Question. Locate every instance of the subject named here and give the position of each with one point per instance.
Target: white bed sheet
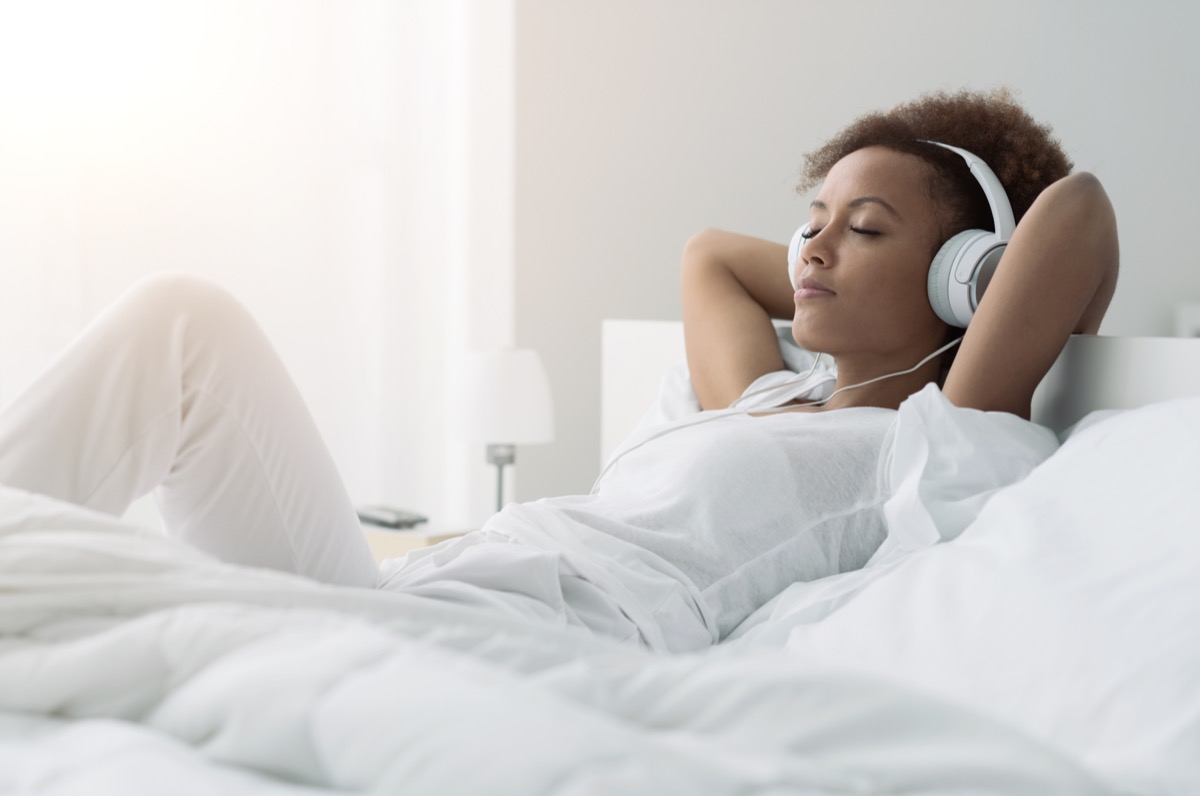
(1067, 607)
(1047, 645)
(127, 661)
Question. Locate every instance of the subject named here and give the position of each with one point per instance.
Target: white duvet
(1030, 629)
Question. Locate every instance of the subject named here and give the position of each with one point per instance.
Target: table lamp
(508, 403)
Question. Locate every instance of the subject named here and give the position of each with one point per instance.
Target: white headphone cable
(719, 413)
(946, 347)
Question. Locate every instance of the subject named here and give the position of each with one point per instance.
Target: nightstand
(388, 543)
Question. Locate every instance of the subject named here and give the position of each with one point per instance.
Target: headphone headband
(997, 199)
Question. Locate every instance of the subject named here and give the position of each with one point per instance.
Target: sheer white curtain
(317, 158)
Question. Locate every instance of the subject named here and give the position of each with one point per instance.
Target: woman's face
(863, 271)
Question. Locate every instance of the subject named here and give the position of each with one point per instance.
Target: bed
(1031, 631)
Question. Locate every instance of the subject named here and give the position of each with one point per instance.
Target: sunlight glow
(74, 71)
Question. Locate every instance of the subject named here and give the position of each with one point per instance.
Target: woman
(1058, 276)
(694, 525)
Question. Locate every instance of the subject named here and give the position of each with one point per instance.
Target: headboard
(1091, 373)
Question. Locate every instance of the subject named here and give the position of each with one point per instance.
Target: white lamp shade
(506, 397)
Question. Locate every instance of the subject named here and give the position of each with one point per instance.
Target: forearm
(732, 285)
(1056, 278)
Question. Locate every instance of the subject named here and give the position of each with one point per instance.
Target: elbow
(1100, 221)
(1085, 209)
(701, 251)
(1084, 201)
(703, 238)
(1084, 217)
(700, 244)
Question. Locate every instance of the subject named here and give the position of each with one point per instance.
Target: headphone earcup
(947, 295)
(794, 252)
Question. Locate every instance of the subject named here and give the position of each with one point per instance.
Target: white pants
(175, 389)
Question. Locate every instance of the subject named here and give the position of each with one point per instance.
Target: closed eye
(812, 233)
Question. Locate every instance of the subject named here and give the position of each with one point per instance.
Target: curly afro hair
(1024, 154)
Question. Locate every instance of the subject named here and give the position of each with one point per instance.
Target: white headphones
(963, 267)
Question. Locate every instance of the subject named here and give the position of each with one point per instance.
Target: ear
(794, 247)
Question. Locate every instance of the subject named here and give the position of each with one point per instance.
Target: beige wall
(642, 121)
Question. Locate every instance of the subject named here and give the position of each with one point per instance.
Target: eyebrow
(860, 201)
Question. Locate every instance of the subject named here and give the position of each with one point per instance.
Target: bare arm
(732, 285)
(1056, 278)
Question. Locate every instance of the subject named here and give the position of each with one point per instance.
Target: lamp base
(501, 454)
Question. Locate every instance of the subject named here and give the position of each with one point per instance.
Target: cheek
(900, 303)
(902, 288)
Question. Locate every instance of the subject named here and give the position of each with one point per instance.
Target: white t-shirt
(698, 523)
(745, 506)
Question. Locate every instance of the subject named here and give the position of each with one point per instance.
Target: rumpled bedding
(132, 663)
(1030, 629)
(1066, 606)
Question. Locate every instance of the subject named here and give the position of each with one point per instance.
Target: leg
(175, 389)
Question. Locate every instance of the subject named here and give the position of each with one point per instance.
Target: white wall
(641, 122)
(296, 152)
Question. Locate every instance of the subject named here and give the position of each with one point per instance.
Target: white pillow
(1070, 607)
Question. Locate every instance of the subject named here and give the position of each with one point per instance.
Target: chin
(808, 339)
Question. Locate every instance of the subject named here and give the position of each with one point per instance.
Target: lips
(811, 288)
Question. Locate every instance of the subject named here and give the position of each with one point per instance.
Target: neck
(888, 392)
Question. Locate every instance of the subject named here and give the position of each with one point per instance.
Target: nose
(815, 251)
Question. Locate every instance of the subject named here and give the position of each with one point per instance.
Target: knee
(178, 291)
(167, 298)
